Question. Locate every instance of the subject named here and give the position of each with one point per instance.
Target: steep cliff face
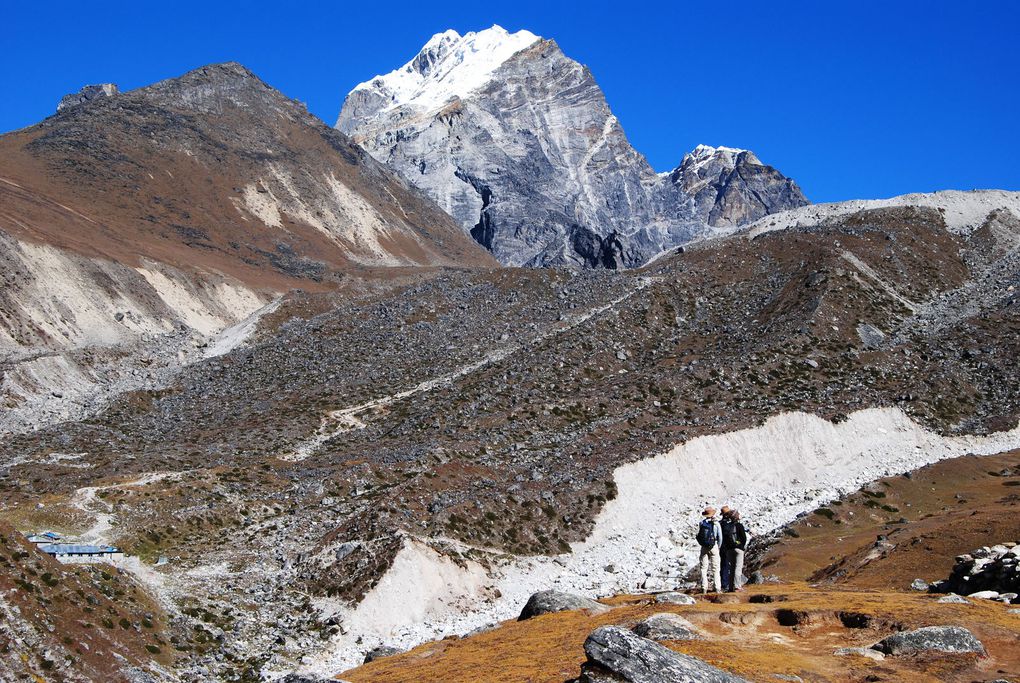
(516, 141)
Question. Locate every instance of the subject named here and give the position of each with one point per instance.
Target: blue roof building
(81, 552)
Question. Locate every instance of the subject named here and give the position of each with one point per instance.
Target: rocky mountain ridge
(516, 141)
(137, 225)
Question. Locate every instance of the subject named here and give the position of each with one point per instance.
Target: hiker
(709, 538)
(734, 543)
(726, 548)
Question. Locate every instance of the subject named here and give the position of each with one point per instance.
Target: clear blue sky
(852, 99)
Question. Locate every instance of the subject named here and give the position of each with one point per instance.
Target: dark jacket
(734, 535)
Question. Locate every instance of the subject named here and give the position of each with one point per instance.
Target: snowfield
(791, 464)
(449, 65)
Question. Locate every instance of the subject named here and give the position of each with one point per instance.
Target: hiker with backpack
(734, 543)
(709, 538)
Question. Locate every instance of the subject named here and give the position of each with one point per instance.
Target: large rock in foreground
(931, 639)
(616, 654)
(547, 602)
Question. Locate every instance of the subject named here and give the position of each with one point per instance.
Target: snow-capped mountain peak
(449, 65)
(705, 153)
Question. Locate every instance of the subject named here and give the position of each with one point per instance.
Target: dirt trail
(340, 421)
(85, 499)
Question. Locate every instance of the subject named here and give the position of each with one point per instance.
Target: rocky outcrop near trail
(183, 207)
(615, 654)
(988, 572)
(516, 141)
(949, 639)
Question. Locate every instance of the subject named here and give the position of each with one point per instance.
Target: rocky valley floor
(410, 459)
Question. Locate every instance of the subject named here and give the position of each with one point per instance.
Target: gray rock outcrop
(667, 626)
(930, 639)
(987, 570)
(616, 654)
(87, 94)
(547, 602)
(516, 141)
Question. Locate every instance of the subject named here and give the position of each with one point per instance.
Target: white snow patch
(789, 465)
(454, 66)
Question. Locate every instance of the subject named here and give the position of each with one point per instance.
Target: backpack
(706, 533)
(729, 533)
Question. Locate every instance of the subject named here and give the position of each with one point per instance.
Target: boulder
(616, 654)
(859, 652)
(953, 598)
(667, 626)
(919, 585)
(985, 595)
(871, 336)
(675, 598)
(380, 652)
(930, 639)
(547, 602)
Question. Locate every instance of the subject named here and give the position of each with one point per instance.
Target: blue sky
(852, 99)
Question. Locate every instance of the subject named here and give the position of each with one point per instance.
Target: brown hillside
(215, 170)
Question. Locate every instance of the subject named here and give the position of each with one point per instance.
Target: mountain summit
(449, 66)
(516, 141)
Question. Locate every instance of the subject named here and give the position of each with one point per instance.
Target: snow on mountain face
(516, 141)
(450, 65)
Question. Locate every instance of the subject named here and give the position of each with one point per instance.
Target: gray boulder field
(616, 654)
(931, 639)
